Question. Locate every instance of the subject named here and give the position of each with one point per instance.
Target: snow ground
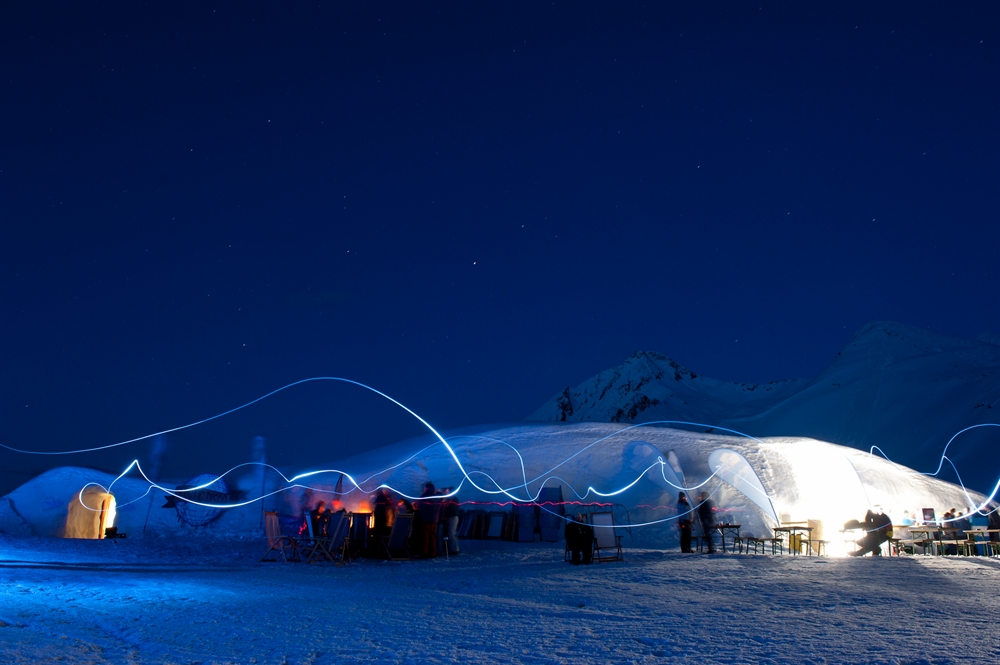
(175, 601)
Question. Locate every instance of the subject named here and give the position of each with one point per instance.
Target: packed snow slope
(156, 601)
(903, 389)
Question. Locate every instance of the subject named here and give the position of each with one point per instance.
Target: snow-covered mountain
(901, 388)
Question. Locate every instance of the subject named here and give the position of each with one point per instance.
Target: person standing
(684, 522)
(382, 513)
(579, 540)
(451, 522)
(707, 519)
(429, 509)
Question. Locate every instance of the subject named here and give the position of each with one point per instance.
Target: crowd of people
(956, 525)
(435, 520)
(434, 526)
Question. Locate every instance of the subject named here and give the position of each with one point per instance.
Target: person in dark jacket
(580, 540)
(878, 529)
(320, 520)
(707, 519)
(684, 515)
(382, 511)
(430, 513)
(994, 521)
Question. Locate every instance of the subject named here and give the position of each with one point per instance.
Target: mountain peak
(899, 387)
(650, 386)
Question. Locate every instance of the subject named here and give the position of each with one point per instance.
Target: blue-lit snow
(176, 601)
(184, 596)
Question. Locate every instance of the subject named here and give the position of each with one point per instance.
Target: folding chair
(607, 542)
(277, 543)
(312, 548)
(358, 534)
(330, 548)
(466, 525)
(396, 540)
(495, 523)
(336, 545)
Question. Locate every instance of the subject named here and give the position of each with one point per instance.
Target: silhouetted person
(320, 520)
(430, 511)
(580, 540)
(707, 519)
(451, 522)
(878, 529)
(994, 521)
(381, 511)
(684, 516)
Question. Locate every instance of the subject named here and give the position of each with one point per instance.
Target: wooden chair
(607, 542)
(285, 548)
(396, 541)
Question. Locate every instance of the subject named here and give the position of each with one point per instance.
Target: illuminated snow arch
(92, 514)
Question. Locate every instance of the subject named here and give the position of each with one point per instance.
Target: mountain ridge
(898, 387)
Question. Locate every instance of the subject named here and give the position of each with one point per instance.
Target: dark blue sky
(467, 205)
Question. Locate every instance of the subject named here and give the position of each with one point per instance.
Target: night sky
(466, 205)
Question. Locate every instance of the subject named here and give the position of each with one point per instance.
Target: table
(936, 535)
(730, 528)
(929, 536)
(795, 530)
(990, 547)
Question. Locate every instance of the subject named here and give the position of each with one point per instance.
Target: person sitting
(878, 529)
(993, 520)
(962, 523)
(580, 540)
